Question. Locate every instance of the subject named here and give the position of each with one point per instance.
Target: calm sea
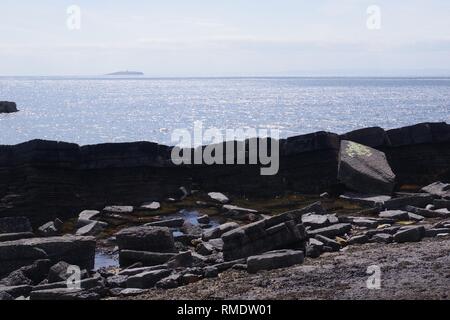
(95, 110)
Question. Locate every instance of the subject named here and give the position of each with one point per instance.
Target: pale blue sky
(225, 38)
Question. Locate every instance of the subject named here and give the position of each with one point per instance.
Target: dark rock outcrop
(48, 179)
(8, 107)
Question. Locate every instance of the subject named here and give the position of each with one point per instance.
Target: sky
(179, 38)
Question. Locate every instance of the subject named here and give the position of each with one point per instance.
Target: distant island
(126, 73)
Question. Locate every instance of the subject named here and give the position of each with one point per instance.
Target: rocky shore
(186, 226)
(49, 180)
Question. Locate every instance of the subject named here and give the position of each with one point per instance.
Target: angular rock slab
(78, 251)
(274, 260)
(146, 238)
(438, 189)
(365, 169)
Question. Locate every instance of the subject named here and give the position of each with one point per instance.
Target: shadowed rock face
(47, 179)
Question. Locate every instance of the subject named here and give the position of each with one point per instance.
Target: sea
(91, 110)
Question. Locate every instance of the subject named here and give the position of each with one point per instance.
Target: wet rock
(332, 231)
(147, 280)
(118, 209)
(218, 231)
(75, 250)
(416, 200)
(382, 238)
(361, 239)
(327, 242)
(8, 107)
(129, 257)
(15, 225)
(144, 238)
(438, 189)
(394, 214)
(151, 206)
(92, 229)
(314, 248)
(365, 169)
(410, 234)
(171, 223)
(48, 230)
(274, 260)
(86, 217)
(219, 197)
(366, 199)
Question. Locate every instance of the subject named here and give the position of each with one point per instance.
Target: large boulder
(8, 107)
(146, 238)
(364, 169)
(78, 251)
